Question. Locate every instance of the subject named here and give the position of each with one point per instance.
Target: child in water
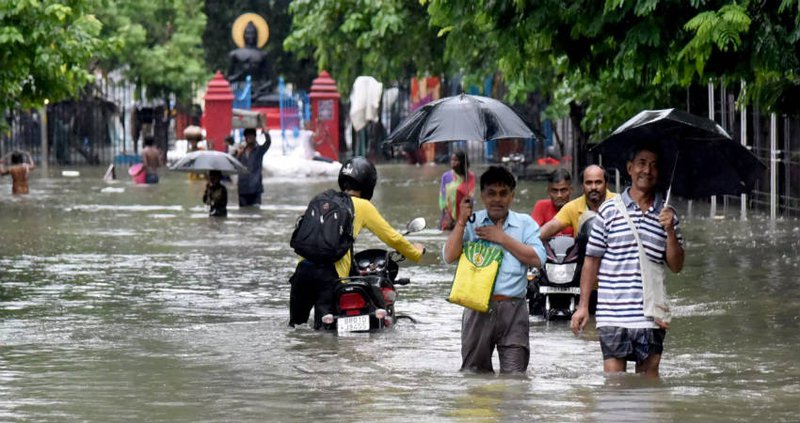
(19, 170)
(216, 195)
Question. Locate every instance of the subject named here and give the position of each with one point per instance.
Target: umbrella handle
(671, 178)
(466, 175)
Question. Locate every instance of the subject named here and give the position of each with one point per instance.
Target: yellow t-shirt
(570, 214)
(367, 216)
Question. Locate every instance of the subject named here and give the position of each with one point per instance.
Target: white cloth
(365, 101)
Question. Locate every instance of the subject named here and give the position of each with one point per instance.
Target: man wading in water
(626, 333)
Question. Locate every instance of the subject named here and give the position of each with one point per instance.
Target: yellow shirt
(570, 214)
(367, 216)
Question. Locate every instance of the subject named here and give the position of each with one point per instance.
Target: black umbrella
(204, 160)
(699, 159)
(461, 118)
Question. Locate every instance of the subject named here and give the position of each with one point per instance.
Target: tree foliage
(597, 62)
(46, 47)
(387, 39)
(600, 62)
(160, 44)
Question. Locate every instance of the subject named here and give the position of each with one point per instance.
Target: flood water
(128, 304)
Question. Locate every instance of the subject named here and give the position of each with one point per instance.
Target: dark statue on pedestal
(250, 60)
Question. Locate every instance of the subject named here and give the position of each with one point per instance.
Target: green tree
(387, 39)
(161, 45)
(597, 63)
(600, 62)
(160, 50)
(46, 48)
(757, 42)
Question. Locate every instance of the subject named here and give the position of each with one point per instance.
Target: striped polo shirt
(619, 295)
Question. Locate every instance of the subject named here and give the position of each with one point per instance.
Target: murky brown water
(134, 306)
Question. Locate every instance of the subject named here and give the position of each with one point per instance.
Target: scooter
(555, 292)
(516, 162)
(365, 300)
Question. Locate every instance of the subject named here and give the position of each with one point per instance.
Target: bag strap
(352, 207)
(624, 211)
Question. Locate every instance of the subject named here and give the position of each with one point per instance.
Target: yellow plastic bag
(475, 275)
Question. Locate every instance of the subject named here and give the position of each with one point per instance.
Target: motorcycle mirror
(415, 225)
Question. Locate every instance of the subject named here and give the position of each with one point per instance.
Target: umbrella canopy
(461, 118)
(698, 158)
(205, 160)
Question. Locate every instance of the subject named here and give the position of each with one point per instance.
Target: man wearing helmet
(313, 283)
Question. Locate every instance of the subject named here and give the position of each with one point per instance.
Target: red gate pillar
(325, 115)
(218, 115)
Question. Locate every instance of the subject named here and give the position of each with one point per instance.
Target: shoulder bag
(475, 276)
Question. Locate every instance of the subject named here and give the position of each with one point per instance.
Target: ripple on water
(118, 208)
(158, 313)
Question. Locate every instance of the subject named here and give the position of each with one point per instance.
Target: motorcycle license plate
(352, 324)
(559, 290)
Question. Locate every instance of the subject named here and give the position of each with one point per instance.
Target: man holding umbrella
(616, 254)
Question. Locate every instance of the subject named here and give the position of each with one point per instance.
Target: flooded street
(135, 306)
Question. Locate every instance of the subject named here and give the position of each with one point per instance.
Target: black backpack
(324, 233)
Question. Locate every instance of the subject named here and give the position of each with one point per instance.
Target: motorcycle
(516, 163)
(555, 292)
(365, 300)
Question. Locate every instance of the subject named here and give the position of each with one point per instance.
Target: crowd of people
(633, 236)
(621, 262)
(614, 276)
(249, 152)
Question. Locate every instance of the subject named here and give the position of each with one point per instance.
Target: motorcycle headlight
(560, 273)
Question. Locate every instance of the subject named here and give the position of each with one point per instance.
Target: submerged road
(129, 304)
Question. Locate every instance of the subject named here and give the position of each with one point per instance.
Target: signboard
(325, 110)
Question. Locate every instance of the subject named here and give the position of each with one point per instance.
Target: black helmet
(360, 175)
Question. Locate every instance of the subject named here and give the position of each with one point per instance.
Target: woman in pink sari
(454, 188)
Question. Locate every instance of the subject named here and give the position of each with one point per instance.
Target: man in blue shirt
(505, 326)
